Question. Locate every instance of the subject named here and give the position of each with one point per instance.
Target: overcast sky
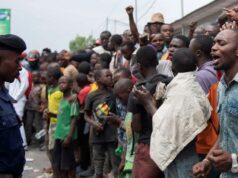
(53, 23)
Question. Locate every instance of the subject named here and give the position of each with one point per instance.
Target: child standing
(83, 127)
(126, 138)
(66, 133)
(98, 104)
(33, 107)
(54, 97)
(84, 86)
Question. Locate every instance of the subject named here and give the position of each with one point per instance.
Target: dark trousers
(9, 176)
(33, 120)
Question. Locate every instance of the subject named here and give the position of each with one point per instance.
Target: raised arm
(132, 23)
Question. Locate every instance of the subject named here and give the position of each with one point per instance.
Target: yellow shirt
(93, 87)
(54, 97)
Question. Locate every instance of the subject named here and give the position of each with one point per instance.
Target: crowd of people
(149, 105)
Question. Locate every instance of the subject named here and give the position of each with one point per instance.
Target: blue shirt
(161, 53)
(228, 118)
(12, 154)
(121, 111)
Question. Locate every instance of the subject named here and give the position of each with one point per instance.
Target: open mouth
(215, 58)
(170, 56)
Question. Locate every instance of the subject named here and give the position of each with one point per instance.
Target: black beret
(12, 43)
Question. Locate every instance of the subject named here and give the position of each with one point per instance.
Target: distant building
(205, 14)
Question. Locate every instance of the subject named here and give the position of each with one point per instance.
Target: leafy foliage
(80, 43)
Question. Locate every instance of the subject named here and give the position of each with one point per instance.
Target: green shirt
(67, 112)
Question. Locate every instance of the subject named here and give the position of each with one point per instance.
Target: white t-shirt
(100, 50)
(17, 90)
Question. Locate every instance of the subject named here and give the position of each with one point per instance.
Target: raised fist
(129, 10)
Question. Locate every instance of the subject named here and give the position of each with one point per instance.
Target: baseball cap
(33, 55)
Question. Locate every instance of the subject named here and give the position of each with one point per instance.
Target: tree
(80, 43)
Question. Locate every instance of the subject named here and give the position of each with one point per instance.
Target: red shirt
(83, 94)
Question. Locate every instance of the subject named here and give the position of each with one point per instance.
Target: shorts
(99, 157)
(144, 166)
(63, 157)
(51, 132)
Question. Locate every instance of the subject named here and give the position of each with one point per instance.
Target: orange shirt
(165, 56)
(93, 87)
(207, 138)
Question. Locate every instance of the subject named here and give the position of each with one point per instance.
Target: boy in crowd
(33, 107)
(104, 39)
(167, 31)
(54, 97)
(66, 132)
(114, 44)
(98, 105)
(94, 58)
(122, 89)
(158, 41)
(128, 51)
(85, 76)
(84, 86)
(142, 120)
(104, 61)
(123, 73)
(83, 127)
